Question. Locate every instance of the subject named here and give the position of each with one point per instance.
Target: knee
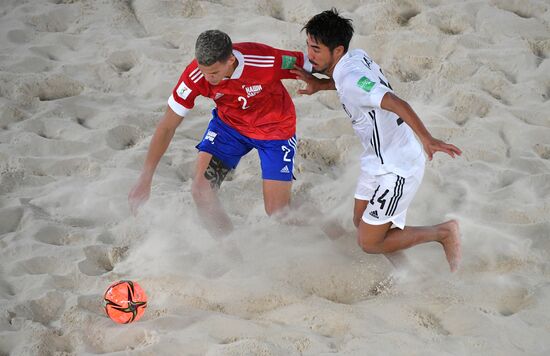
(367, 245)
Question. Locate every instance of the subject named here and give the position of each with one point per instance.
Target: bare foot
(451, 243)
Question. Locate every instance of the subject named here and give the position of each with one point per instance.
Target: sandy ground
(82, 86)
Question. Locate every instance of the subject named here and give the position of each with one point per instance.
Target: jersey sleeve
(367, 92)
(184, 93)
(286, 60)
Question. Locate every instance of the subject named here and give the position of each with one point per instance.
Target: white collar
(338, 67)
(240, 66)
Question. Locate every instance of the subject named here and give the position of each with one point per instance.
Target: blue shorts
(228, 145)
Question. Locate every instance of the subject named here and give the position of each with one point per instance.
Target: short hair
(213, 46)
(330, 29)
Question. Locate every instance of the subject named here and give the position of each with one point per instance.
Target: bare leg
(382, 239)
(397, 258)
(276, 196)
(212, 215)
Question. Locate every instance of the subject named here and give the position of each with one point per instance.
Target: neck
(233, 67)
(330, 70)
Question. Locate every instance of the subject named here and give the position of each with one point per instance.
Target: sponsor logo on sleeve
(366, 84)
(288, 62)
(183, 91)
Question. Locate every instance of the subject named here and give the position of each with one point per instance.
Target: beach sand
(82, 86)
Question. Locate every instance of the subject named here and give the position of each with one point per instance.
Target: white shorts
(389, 196)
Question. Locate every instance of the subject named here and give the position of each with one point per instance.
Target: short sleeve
(286, 60)
(367, 92)
(184, 93)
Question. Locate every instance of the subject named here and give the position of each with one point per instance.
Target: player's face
(320, 56)
(216, 72)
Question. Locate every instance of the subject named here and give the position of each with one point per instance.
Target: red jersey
(253, 101)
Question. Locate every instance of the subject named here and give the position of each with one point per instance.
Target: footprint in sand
(101, 259)
(44, 310)
(57, 20)
(513, 301)
(468, 104)
(246, 347)
(20, 36)
(542, 150)
(10, 219)
(541, 50)
(319, 151)
(524, 10)
(406, 15)
(92, 303)
(40, 265)
(123, 61)
(430, 322)
(46, 341)
(51, 235)
(6, 289)
(56, 235)
(123, 137)
(47, 87)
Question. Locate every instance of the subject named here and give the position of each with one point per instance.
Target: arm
(296, 65)
(313, 84)
(391, 102)
(162, 137)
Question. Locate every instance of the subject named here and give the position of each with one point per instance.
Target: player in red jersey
(253, 110)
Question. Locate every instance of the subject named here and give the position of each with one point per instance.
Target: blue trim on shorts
(229, 145)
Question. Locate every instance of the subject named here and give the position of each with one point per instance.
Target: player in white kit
(392, 165)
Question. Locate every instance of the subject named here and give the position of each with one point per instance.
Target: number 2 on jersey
(243, 99)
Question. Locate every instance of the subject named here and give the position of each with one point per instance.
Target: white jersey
(390, 144)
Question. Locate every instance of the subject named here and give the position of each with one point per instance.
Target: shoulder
(355, 71)
(258, 59)
(251, 48)
(191, 72)
(348, 77)
(192, 76)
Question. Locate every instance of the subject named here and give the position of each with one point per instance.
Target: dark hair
(213, 46)
(330, 29)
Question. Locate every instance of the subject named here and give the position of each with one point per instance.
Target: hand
(313, 84)
(139, 194)
(433, 145)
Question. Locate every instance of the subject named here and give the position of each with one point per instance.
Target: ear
(339, 51)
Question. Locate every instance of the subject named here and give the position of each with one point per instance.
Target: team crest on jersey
(253, 90)
(183, 91)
